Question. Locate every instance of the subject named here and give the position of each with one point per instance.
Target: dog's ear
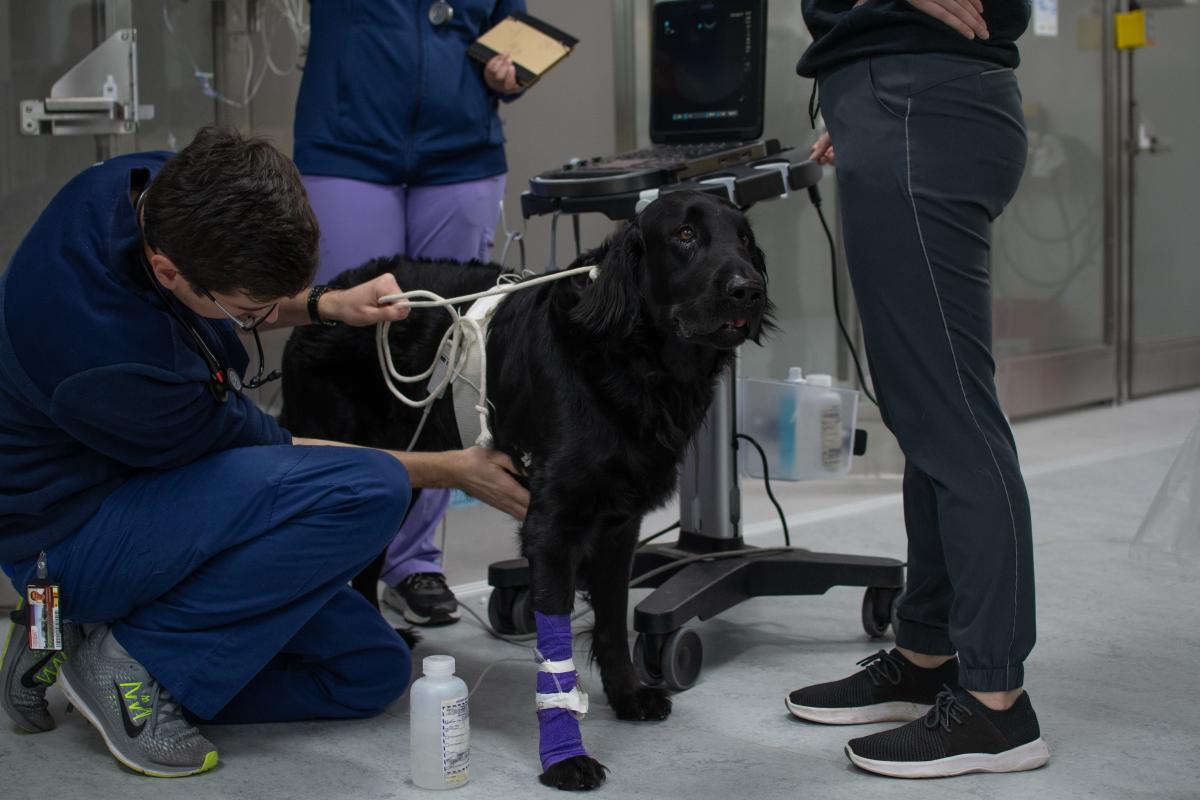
(610, 305)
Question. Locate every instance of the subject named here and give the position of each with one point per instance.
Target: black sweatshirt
(842, 32)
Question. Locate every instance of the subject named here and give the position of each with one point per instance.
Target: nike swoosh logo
(28, 679)
(131, 730)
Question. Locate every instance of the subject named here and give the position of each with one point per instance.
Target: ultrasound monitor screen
(708, 65)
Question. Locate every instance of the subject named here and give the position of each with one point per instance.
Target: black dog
(598, 385)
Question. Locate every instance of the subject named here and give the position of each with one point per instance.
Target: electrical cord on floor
(814, 195)
(787, 539)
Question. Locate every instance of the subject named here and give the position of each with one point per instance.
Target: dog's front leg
(607, 572)
(565, 763)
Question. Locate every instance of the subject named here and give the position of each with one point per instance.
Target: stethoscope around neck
(220, 379)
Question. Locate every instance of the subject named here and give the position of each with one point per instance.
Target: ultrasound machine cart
(665, 653)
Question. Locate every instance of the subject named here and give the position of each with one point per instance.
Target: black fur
(602, 384)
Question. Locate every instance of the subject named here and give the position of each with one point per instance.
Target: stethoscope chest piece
(441, 12)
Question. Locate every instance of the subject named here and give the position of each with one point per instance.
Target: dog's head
(689, 266)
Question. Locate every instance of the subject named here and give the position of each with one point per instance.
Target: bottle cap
(438, 665)
(795, 375)
(821, 380)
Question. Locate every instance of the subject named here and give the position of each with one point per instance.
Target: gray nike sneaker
(142, 724)
(26, 674)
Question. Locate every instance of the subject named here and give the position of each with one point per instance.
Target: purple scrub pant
(360, 221)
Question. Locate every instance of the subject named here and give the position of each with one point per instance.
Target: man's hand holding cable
(359, 305)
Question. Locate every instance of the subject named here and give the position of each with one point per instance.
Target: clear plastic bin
(805, 429)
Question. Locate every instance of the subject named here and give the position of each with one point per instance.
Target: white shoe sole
(158, 771)
(860, 715)
(1019, 759)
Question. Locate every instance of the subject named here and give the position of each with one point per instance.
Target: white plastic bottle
(440, 728)
(790, 421)
(825, 412)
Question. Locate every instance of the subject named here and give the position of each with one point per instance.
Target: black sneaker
(957, 736)
(424, 599)
(890, 688)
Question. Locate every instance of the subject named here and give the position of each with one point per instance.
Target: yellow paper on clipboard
(535, 46)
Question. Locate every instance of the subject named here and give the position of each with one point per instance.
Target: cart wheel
(681, 659)
(522, 612)
(510, 611)
(879, 610)
(646, 659)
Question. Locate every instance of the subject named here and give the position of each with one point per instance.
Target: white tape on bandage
(575, 701)
(557, 667)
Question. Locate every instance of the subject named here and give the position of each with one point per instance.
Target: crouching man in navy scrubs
(210, 549)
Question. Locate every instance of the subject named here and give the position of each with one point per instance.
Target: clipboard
(535, 46)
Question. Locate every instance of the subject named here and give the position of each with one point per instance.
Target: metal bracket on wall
(98, 96)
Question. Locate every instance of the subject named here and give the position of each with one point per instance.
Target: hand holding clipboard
(533, 46)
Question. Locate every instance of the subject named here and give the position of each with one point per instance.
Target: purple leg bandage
(559, 729)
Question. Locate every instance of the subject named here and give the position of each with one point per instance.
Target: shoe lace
(883, 665)
(169, 720)
(947, 708)
(427, 580)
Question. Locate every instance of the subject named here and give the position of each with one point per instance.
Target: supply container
(805, 426)
(439, 726)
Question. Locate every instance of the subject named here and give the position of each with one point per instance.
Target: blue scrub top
(97, 380)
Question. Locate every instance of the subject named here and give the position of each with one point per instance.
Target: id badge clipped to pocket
(44, 611)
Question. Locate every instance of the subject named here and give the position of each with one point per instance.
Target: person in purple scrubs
(401, 150)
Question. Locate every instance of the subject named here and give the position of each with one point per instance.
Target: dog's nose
(745, 290)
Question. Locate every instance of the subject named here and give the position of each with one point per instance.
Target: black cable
(787, 539)
(815, 196)
(654, 536)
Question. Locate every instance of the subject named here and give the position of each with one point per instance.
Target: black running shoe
(890, 688)
(423, 598)
(957, 736)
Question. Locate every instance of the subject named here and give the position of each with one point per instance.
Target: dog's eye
(745, 237)
(685, 234)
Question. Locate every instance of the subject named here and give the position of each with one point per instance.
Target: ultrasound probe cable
(452, 346)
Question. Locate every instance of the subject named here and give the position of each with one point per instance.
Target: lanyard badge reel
(44, 611)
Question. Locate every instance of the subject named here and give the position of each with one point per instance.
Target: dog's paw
(642, 704)
(578, 773)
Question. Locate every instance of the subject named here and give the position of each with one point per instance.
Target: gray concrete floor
(1114, 676)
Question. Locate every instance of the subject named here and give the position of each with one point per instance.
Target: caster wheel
(522, 612)
(646, 659)
(682, 657)
(672, 661)
(510, 611)
(879, 610)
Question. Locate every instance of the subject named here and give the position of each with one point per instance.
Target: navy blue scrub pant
(929, 149)
(226, 579)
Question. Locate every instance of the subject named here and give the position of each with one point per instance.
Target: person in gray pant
(922, 103)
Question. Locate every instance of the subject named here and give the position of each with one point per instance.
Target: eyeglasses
(250, 323)
(245, 321)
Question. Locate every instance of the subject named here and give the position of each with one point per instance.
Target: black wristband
(314, 296)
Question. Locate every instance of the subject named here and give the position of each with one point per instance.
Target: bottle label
(456, 740)
(831, 438)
